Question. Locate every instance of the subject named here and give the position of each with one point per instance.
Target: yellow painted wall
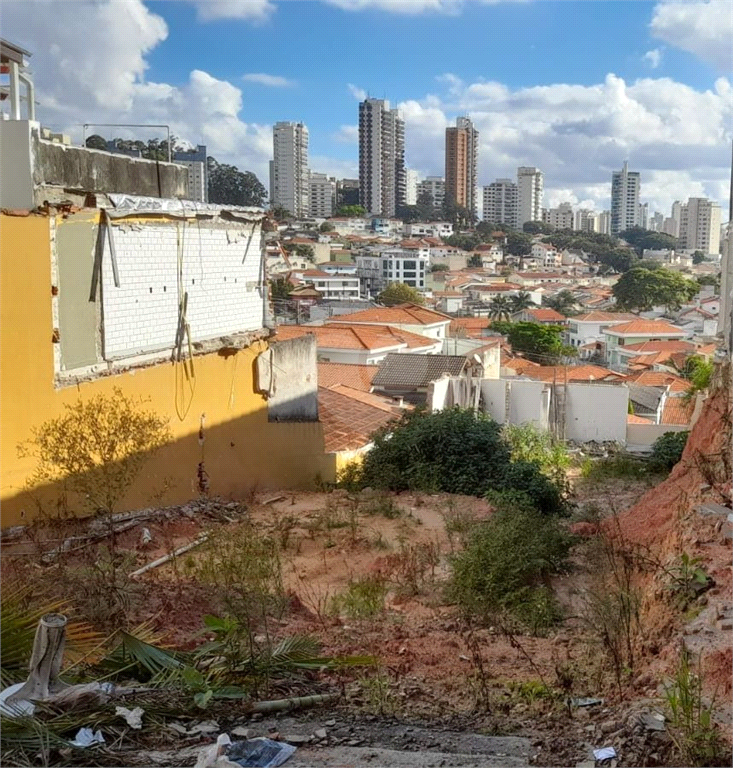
(242, 450)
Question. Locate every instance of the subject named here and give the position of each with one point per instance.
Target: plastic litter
(133, 717)
(86, 737)
(209, 755)
(605, 753)
(18, 707)
(260, 753)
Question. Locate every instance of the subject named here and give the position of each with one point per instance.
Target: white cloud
(95, 73)
(272, 81)
(358, 93)
(577, 135)
(256, 11)
(653, 57)
(703, 28)
(347, 134)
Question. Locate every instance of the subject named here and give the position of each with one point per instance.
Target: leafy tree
(153, 149)
(537, 228)
(230, 186)
(458, 215)
(563, 302)
(280, 288)
(409, 213)
(541, 343)
(326, 226)
(466, 242)
(351, 211)
(518, 243)
(699, 372)
(399, 293)
(486, 229)
(439, 268)
(713, 280)
(640, 239)
(501, 326)
(95, 141)
(642, 289)
(426, 207)
(280, 213)
(698, 257)
(453, 451)
(520, 301)
(475, 261)
(300, 249)
(500, 308)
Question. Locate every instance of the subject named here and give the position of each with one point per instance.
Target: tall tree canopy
(399, 293)
(518, 243)
(639, 239)
(351, 210)
(230, 186)
(542, 343)
(642, 289)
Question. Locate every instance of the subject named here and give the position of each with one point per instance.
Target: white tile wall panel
(220, 272)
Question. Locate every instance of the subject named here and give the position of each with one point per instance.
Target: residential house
(540, 315)
(638, 331)
(407, 264)
(407, 317)
(450, 302)
(562, 374)
(546, 254)
(360, 345)
(334, 287)
(428, 229)
(531, 278)
(585, 332)
(408, 376)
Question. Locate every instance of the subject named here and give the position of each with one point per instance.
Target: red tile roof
(598, 316)
(403, 314)
(632, 418)
(543, 315)
(640, 327)
(673, 345)
(354, 376)
(677, 411)
(347, 420)
(359, 337)
(581, 373)
(660, 379)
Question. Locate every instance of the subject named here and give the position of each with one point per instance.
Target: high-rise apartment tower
(625, 186)
(289, 175)
(382, 184)
(530, 189)
(461, 160)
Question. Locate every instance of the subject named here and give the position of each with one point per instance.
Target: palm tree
(520, 301)
(500, 308)
(563, 302)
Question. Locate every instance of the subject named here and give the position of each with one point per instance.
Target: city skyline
(656, 90)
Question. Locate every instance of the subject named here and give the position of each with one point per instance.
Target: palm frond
(145, 659)
(19, 618)
(303, 652)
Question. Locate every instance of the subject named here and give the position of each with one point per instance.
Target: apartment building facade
(500, 202)
(289, 175)
(382, 181)
(530, 190)
(700, 225)
(625, 187)
(461, 162)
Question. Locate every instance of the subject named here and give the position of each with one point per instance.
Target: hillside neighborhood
(391, 471)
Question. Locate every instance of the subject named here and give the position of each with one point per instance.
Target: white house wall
(596, 412)
(220, 272)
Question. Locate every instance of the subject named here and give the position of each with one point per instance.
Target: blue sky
(574, 87)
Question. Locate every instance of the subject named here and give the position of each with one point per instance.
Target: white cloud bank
(703, 28)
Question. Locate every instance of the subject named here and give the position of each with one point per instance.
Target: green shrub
(506, 564)
(454, 451)
(363, 599)
(618, 465)
(667, 451)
